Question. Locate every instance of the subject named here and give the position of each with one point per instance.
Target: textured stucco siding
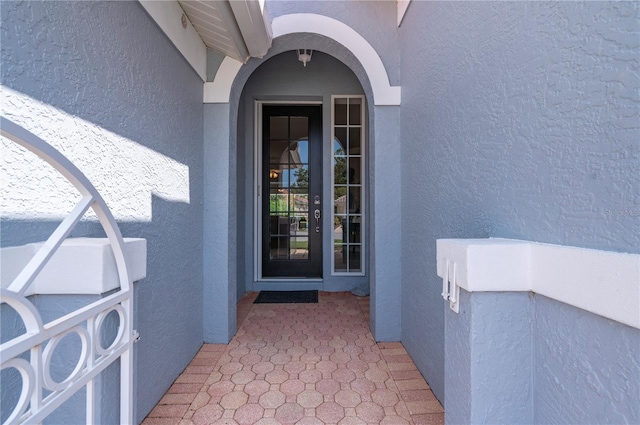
(519, 120)
(130, 105)
(522, 358)
(374, 20)
(457, 368)
(219, 282)
(586, 367)
(501, 359)
(488, 362)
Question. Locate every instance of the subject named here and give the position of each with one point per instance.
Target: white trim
(253, 25)
(363, 176)
(168, 15)
(601, 282)
(219, 91)
(257, 192)
(383, 92)
(403, 5)
(77, 266)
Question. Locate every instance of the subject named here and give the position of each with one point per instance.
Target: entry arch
(222, 98)
(383, 93)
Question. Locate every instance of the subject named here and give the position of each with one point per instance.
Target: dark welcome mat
(276, 297)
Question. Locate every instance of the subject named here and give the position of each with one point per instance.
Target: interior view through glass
(289, 188)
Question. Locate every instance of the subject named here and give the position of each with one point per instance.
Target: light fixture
(304, 56)
(273, 174)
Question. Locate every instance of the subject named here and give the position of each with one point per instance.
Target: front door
(292, 182)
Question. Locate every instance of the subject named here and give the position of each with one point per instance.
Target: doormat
(287, 297)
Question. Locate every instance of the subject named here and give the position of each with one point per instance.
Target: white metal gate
(40, 339)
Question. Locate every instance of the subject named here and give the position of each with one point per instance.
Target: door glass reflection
(289, 188)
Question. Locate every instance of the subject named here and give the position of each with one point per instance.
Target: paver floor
(300, 364)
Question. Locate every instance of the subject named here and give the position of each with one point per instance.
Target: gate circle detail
(48, 381)
(28, 379)
(98, 326)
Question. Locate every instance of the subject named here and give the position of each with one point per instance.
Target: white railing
(39, 341)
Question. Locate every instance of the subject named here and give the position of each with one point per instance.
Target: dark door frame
(310, 267)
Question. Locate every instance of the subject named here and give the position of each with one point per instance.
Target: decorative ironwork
(40, 340)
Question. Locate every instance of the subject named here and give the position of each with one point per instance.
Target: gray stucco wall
(488, 363)
(374, 20)
(586, 367)
(518, 120)
(109, 64)
(457, 368)
(521, 358)
(219, 248)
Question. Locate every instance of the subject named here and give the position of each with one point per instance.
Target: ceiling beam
(168, 16)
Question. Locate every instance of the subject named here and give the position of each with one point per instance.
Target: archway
(226, 229)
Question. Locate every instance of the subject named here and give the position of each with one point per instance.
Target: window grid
(347, 188)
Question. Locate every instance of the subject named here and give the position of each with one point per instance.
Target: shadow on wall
(166, 310)
(106, 63)
(104, 71)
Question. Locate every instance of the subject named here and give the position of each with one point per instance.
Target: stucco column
(488, 359)
(219, 284)
(386, 243)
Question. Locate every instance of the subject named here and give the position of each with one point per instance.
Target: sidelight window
(348, 184)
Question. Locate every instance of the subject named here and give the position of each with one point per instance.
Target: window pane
(354, 140)
(277, 176)
(278, 201)
(354, 229)
(340, 141)
(303, 222)
(299, 152)
(355, 116)
(278, 248)
(340, 112)
(340, 257)
(340, 170)
(340, 200)
(278, 139)
(299, 202)
(299, 248)
(354, 170)
(340, 229)
(299, 176)
(278, 128)
(299, 128)
(279, 224)
(355, 263)
(353, 200)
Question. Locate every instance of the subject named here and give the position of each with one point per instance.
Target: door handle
(316, 214)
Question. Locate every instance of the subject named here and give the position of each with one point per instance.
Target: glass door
(292, 182)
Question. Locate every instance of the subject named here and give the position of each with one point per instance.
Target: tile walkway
(300, 364)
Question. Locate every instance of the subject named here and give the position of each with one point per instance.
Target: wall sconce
(304, 56)
(273, 174)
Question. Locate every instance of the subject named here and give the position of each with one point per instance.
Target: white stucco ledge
(601, 282)
(79, 266)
